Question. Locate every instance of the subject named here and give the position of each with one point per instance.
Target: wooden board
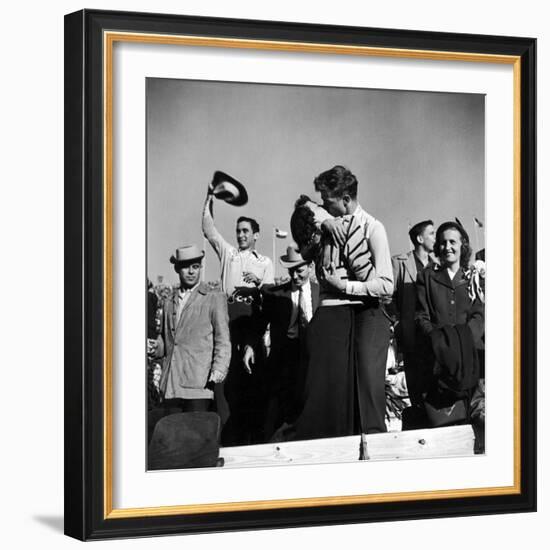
(431, 443)
(435, 442)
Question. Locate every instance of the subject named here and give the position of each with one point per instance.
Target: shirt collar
(252, 251)
(358, 210)
(183, 291)
(419, 261)
(306, 285)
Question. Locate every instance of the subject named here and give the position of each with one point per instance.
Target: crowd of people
(306, 358)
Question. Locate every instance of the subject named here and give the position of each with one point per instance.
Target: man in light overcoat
(194, 342)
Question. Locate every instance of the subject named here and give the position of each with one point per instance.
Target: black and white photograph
(279, 312)
(257, 235)
(315, 281)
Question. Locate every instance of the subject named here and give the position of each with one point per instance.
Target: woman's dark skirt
(330, 403)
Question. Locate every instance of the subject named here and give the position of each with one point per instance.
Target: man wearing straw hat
(288, 308)
(194, 342)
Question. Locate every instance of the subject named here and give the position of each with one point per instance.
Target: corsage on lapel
(474, 275)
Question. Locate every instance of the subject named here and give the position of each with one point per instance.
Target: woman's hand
(333, 279)
(335, 228)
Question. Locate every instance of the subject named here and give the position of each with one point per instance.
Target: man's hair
(337, 182)
(465, 248)
(253, 223)
(417, 229)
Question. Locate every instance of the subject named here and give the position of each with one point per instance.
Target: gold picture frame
(90, 39)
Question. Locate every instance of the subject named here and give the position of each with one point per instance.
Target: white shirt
(183, 297)
(293, 325)
(235, 262)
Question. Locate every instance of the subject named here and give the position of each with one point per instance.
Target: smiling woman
(451, 315)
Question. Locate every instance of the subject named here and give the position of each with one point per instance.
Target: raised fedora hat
(186, 254)
(228, 189)
(292, 258)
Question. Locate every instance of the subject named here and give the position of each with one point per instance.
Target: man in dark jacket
(406, 268)
(288, 309)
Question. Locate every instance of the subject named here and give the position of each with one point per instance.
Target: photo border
(89, 40)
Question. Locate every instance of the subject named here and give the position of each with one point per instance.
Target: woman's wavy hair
(302, 222)
(465, 248)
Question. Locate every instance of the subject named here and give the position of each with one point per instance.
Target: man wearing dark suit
(406, 268)
(288, 309)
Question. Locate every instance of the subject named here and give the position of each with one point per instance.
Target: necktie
(303, 317)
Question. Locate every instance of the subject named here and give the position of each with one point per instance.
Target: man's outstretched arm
(219, 244)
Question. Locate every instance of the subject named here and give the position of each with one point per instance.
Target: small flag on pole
(477, 222)
(281, 234)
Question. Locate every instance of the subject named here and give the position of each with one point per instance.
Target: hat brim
(174, 260)
(290, 264)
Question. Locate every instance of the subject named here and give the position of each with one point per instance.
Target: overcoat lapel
(314, 297)
(459, 279)
(287, 311)
(199, 290)
(410, 266)
(441, 276)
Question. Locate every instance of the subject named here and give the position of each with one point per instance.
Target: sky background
(416, 155)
